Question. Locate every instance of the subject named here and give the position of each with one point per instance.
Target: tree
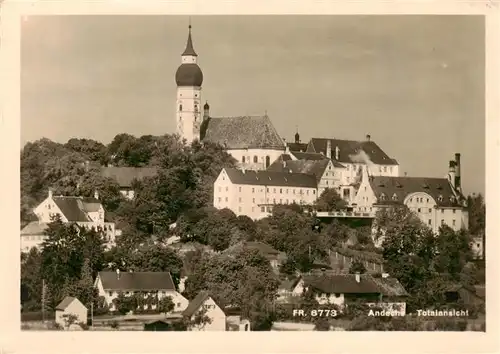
(330, 200)
(477, 214)
(31, 280)
(199, 320)
(166, 305)
(125, 304)
(357, 267)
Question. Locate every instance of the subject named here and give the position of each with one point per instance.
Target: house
(254, 193)
(436, 201)
(469, 295)
(204, 304)
(33, 235)
(285, 293)
(276, 258)
(83, 211)
(151, 284)
(343, 257)
(125, 177)
(328, 172)
(71, 306)
(341, 289)
(354, 154)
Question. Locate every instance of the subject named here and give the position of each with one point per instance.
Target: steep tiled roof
(400, 187)
(342, 284)
(137, 281)
(125, 175)
(350, 148)
(65, 303)
(300, 147)
(195, 304)
(312, 167)
(34, 228)
(242, 132)
(73, 208)
(308, 155)
(271, 178)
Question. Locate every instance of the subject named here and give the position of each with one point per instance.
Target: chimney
(50, 193)
(117, 273)
(329, 149)
(452, 173)
(337, 151)
(368, 137)
(358, 278)
(458, 184)
(206, 111)
(96, 194)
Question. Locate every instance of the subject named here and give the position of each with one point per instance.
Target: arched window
(268, 161)
(180, 108)
(255, 159)
(243, 159)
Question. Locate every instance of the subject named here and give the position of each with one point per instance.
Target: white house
(254, 193)
(437, 201)
(340, 289)
(33, 235)
(203, 304)
(125, 177)
(71, 306)
(155, 284)
(83, 211)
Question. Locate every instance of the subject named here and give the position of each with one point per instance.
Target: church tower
(189, 79)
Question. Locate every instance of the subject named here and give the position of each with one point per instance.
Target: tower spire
(189, 45)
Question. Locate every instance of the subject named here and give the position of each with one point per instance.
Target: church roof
(271, 178)
(396, 189)
(300, 147)
(349, 149)
(245, 132)
(189, 46)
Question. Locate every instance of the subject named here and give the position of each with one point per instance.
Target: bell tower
(189, 79)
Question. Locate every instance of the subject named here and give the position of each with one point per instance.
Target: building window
(253, 190)
(110, 293)
(180, 108)
(454, 211)
(385, 168)
(255, 159)
(268, 161)
(267, 190)
(274, 201)
(220, 199)
(239, 189)
(227, 189)
(427, 200)
(281, 190)
(307, 192)
(418, 210)
(274, 190)
(442, 211)
(453, 222)
(253, 200)
(314, 191)
(430, 222)
(327, 183)
(348, 167)
(239, 199)
(440, 198)
(394, 196)
(243, 159)
(430, 210)
(262, 209)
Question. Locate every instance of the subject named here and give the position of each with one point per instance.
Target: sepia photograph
(252, 173)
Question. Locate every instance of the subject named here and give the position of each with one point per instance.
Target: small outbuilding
(71, 311)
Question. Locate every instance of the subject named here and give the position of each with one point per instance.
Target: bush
(114, 324)
(36, 316)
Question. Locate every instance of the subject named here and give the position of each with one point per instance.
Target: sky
(414, 83)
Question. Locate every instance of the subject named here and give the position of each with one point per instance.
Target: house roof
(348, 149)
(400, 187)
(312, 167)
(196, 303)
(124, 176)
(361, 255)
(300, 147)
(271, 178)
(34, 228)
(260, 246)
(390, 286)
(342, 284)
(65, 303)
(76, 208)
(247, 132)
(309, 156)
(141, 281)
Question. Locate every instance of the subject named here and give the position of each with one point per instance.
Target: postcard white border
(13, 340)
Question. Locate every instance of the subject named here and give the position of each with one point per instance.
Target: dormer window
(382, 196)
(452, 199)
(394, 196)
(440, 198)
